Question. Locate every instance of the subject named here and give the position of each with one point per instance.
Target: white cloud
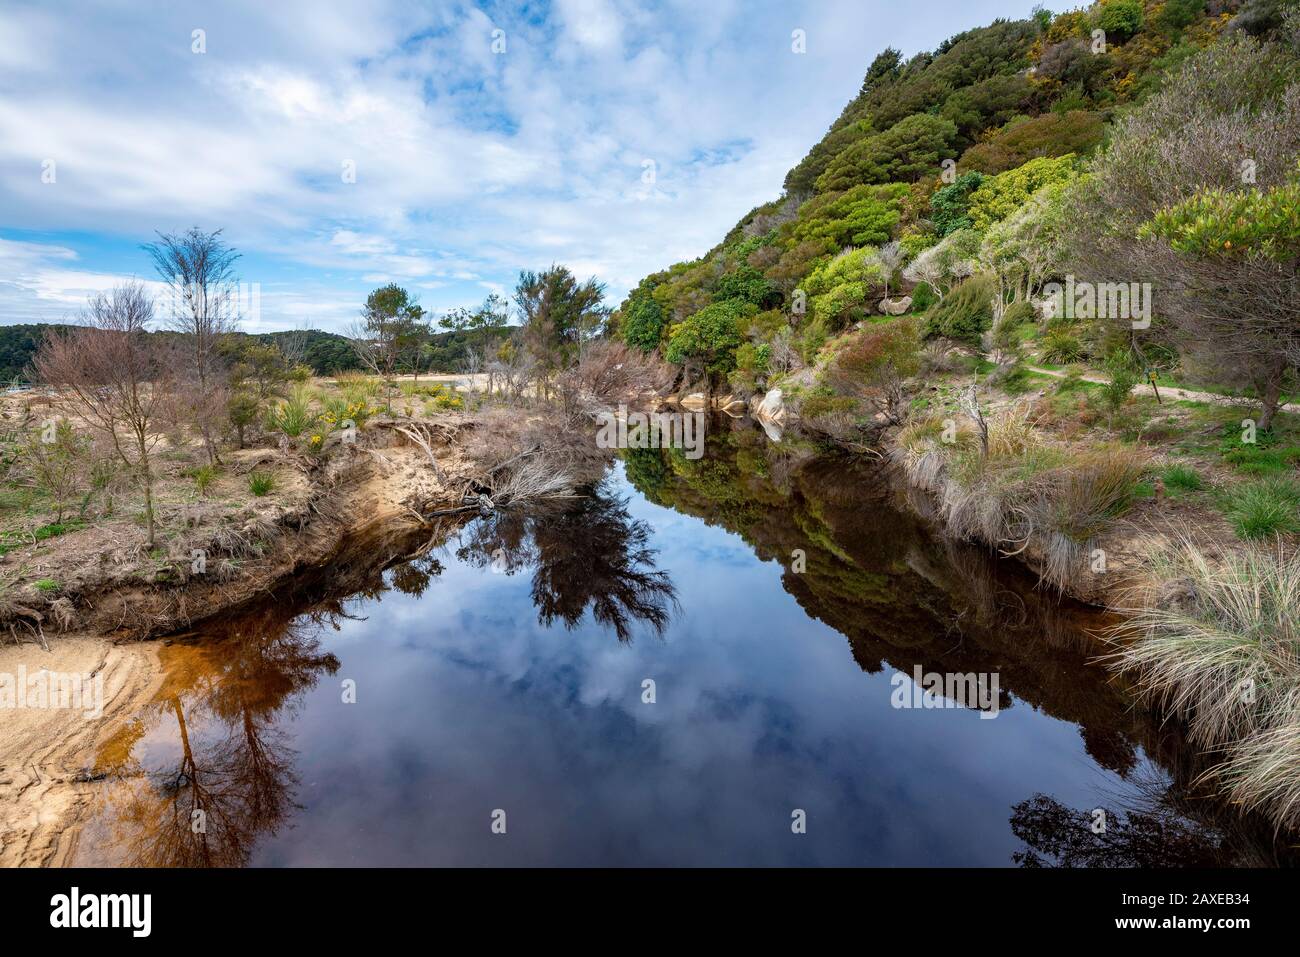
(469, 165)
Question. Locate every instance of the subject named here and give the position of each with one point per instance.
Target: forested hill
(325, 352)
(933, 153)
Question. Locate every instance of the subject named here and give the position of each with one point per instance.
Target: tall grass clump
(261, 483)
(1266, 507)
(294, 415)
(1218, 643)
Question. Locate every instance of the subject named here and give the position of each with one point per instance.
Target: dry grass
(1025, 490)
(1218, 643)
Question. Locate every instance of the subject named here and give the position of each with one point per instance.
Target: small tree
(390, 327)
(55, 458)
(199, 270)
(559, 315)
(707, 341)
(876, 364)
(113, 377)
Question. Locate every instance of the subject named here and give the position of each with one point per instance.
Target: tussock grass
(261, 483)
(1183, 477)
(1024, 490)
(1269, 506)
(1218, 643)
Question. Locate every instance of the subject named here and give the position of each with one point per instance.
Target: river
(700, 662)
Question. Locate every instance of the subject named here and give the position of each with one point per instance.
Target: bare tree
(198, 268)
(472, 364)
(112, 377)
(609, 372)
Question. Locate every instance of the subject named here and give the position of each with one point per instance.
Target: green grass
(1265, 507)
(1184, 478)
(203, 477)
(261, 483)
(1260, 459)
(9, 540)
(47, 586)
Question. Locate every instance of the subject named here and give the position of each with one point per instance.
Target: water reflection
(468, 703)
(586, 555)
(229, 779)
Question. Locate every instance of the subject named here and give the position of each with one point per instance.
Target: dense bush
(966, 312)
(1052, 134)
(910, 149)
(951, 204)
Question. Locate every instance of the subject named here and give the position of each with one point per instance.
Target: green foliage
(966, 312)
(1061, 346)
(1184, 478)
(951, 204)
(203, 476)
(1019, 313)
(862, 216)
(923, 297)
(642, 322)
(294, 416)
(1000, 196)
(709, 337)
(47, 586)
(261, 483)
(446, 351)
(1177, 14)
(845, 284)
(745, 284)
(1236, 223)
(989, 103)
(1123, 377)
(559, 312)
(1265, 507)
(1120, 18)
(1052, 134)
(752, 366)
(912, 148)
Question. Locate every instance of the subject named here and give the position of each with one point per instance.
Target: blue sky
(470, 162)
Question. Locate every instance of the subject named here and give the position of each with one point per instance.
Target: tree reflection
(590, 553)
(232, 780)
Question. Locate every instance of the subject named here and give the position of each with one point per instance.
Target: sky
(442, 146)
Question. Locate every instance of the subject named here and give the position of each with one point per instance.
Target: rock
(694, 401)
(894, 307)
(771, 408)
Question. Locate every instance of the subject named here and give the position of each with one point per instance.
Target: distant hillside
(326, 352)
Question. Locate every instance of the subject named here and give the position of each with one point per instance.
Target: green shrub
(261, 483)
(1120, 18)
(294, 415)
(1018, 313)
(1123, 377)
(1269, 506)
(966, 312)
(922, 297)
(1061, 347)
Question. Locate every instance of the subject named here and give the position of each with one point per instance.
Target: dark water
(504, 670)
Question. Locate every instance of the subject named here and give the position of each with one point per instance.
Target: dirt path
(1169, 392)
